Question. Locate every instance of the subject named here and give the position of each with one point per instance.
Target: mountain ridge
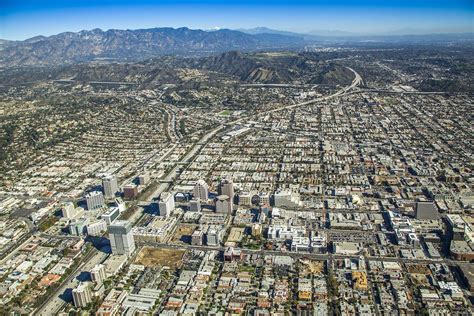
(141, 44)
(134, 45)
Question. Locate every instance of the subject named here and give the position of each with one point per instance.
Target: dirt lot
(152, 257)
(417, 268)
(183, 233)
(312, 267)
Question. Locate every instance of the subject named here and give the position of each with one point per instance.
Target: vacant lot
(312, 267)
(152, 257)
(183, 233)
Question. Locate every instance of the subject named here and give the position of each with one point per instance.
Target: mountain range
(141, 44)
(96, 44)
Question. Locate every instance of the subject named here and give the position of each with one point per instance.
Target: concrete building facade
(121, 238)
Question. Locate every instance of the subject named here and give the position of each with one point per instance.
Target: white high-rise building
(223, 204)
(82, 294)
(144, 178)
(98, 274)
(68, 210)
(201, 190)
(166, 204)
(121, 238)
(110, 185)
(94, 200)
(96, 228)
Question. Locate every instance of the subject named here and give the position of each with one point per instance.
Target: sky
(20, 20)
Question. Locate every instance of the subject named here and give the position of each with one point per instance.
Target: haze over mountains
(135, 45)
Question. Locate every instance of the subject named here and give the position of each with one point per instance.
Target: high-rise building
(130, 191)
(98, 274)
(144, 178)
(223, 204)
(96, 227)
(226, 187)
(68, 210)
(110, 185)
(426, 210)
(166, 204)
(201, 190)
(82, 294)
(121, 238)
(94, 200)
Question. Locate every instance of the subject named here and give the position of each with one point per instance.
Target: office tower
(121, 238)
(68, 210)
(98, 274)
(82, 295)
(110, 186)
(223, 204)
(130, 191)
(227, 188)
(201, 190)
(144, 178)
(166, 204)
(94, 200)
(426, 210)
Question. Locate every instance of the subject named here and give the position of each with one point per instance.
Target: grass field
(152, 257)
(225, 113)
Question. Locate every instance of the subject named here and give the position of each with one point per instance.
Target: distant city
(177, 171)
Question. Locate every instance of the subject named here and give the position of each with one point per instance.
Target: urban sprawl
(216, 196)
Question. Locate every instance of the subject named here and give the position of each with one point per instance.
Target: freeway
(356, 82)
(402, 92)
(186, 160)
(282, 85)
(55, 302)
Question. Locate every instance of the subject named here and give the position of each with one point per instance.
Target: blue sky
(24, 19)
